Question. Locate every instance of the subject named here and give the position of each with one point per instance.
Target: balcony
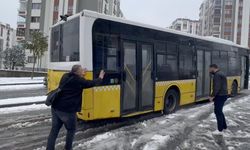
(20, 38)
(22, 13)
(21, 25)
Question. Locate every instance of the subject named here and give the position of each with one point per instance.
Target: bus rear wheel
(234, 91)
(171, 101)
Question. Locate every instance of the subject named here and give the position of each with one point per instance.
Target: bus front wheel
(171, 101)
(234, 91)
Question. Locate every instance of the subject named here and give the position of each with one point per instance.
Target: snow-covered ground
(19, 109)
(186, 129)
(22, 100)
(10, 80)
(21, 87)
(27, 127)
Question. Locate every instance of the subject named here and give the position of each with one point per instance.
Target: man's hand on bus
(101, 75)
(211, 99)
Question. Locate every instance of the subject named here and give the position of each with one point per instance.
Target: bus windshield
(65, 42)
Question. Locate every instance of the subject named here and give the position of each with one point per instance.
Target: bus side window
(167, 62)
(106, 56)
(232, 63)
(186, 62)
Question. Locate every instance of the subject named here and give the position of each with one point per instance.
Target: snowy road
(27, 128)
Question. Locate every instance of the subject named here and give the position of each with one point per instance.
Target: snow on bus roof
(93, 14)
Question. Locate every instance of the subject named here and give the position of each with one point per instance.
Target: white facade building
(186, 25)
(7, 39)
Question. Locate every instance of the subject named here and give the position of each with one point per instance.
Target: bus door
(203, 76)
(244, 70)
(146, 83)
(137, 86)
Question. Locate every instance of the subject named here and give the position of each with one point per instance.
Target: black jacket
(70, 98)
(219, 84)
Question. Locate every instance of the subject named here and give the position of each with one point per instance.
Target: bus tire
(171, 101)
(234, 91)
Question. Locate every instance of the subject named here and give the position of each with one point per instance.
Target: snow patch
(20, 80)
(158, 140)
(144, 124)
(201, 146)
(133, 142)
(27, 124)
(22, 100)
(22, 87)
(203, 125)
(97, 139)
(23, 108)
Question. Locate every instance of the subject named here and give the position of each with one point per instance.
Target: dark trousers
(219, 102)
(60, 118)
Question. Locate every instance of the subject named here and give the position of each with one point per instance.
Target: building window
(228, 12)
(34, 30)
(20, 32)
(228, 20)
(227, 29)
(1, 31)
(106, 9)
(56, 8)
(229, 3)
(36, 5)
(35, 19)
(31, 59)
(185, 25)
(70, 9)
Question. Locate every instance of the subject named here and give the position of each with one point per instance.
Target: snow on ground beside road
(186, 129)
(21, 87)
(22, 100)
(33, 107)
(11, 80)
(236, 137)
(151, 134)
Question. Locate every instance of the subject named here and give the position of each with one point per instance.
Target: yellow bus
(148, 69)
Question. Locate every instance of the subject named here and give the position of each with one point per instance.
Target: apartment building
(186, 25)
(7, 39)
(40, 15)
(70, 7)
(227, 19)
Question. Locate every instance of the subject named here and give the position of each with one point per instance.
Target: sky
(155, 12)
(160, 12)
(8, 12)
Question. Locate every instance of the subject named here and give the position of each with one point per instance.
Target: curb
(22, 104)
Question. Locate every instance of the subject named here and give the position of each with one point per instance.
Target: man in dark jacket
(69, 102)
(219, 95)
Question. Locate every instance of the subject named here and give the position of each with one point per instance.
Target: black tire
(234, 91)
(171, 101)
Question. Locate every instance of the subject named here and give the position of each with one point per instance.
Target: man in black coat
(219, 96)
(69, 102)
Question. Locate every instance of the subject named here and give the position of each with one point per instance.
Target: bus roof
(93, 14)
